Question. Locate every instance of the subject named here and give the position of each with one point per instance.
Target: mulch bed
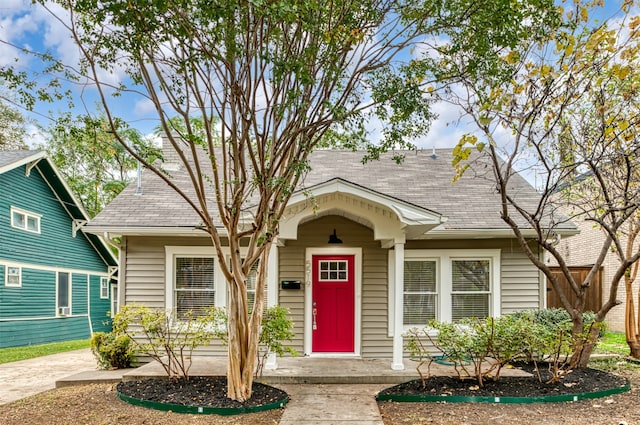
(206, 391)
(575, 382)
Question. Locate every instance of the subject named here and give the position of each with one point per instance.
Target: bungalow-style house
(364, 251)
(55, 279)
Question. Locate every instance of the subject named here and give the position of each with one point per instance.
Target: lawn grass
(13, 354)
(613, 343)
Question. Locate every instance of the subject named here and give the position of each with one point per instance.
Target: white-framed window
(104, 288)
(194, 279)
(25, 220)
(449, 285)
(420, 291)
(114, 300)
(470, 288)
(194, 288)
(63, 294)
(13, 276)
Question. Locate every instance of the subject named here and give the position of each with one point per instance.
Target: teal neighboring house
(57, 283)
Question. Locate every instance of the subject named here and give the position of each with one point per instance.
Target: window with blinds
(471, 288)
(194, 288)
(420, 292)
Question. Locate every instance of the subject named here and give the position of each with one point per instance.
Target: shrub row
(480, 348)
(170, 341)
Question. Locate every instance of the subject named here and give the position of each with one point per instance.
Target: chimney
(171, 159)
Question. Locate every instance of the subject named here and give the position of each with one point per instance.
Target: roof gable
(37, 160)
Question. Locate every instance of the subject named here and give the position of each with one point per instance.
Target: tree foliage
(570, 107)
(271, 81)
(94, 163)
(12, 128)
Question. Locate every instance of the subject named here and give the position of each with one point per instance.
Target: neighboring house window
(114, 300)
(104, 288)
(194, 285)
(450, 285)
(420, 292)
(25, 220)
(471, 288)
(13, 276)
(64, 294)
(251, 285)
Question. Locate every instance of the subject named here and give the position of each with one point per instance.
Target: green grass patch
(14, 354)
(613, 343)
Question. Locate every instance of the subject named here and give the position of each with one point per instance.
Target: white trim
(89, 304)
(171, 252)
(114, 300)
(59, 309)
(507, 233)
(6, 276)
(26, 160)
(27, 215)
(445, 257)
(31, 319)
(309, 253)
(106, 286)
(51, 269)
(398, 279)
(273, 276)
(443, 305)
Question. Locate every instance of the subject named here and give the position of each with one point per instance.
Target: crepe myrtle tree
(271, 81)
(571, 108)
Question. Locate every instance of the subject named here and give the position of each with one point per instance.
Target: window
(104, 288)
(63, 296)
(25, 220)
(448, 285)
(114, 300)
(194, 285)
(252, 278)
(420, 292)
(471, 285)
(13, 276)
(333, 270)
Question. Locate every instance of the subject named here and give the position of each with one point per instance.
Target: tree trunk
(583, 344)
(244, 333)
(630, 325)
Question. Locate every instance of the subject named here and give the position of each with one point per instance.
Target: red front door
(333, 304)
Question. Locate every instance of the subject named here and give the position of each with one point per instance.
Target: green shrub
(168, 339)
(276, 328)
(112, 350)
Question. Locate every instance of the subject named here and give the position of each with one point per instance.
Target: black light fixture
(334, 238)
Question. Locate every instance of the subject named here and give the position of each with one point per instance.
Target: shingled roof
(423, 179)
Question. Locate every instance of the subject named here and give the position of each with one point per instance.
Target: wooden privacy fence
(594, 292)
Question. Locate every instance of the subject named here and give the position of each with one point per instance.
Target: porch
(312, 370)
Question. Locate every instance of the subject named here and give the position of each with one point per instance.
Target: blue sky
(25, 25)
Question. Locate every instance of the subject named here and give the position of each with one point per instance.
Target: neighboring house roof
(421, 183)
(10, 160)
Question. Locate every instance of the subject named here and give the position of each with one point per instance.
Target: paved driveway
(28, 377)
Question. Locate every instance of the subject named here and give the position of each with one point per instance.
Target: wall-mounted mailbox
(290, 284)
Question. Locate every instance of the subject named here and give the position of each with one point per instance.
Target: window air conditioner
(64, 311)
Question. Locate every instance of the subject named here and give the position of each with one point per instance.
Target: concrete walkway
(322, 391)
(329, 404)
(28, 377)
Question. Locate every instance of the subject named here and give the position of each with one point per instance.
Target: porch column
(272, 294)
(272, 276)
(398, 363)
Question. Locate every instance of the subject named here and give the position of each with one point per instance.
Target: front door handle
(314, 324)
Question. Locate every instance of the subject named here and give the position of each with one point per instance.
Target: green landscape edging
(506, 400)
(201, 410)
